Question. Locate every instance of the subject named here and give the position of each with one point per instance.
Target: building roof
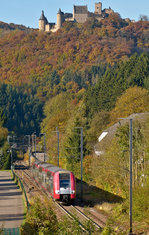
(49, 167)
(80, 9)
(107, 135)
(42, 17)
(60, 12)
(68, 15)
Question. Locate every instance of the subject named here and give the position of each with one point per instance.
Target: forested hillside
(31, 57)
(84, 75)
(23, 111)
(11, 26)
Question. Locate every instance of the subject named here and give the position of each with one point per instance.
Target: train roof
(49, 167)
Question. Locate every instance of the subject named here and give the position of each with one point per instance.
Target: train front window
(64, 180)
(64, 183)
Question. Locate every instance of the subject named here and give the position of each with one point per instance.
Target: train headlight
(72, 191)
(57, 191)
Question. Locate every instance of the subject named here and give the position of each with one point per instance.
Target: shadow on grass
(93, 195)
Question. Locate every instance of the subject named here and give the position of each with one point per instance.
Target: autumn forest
(84, 75)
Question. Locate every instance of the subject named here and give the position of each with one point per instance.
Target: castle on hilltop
(80, 15)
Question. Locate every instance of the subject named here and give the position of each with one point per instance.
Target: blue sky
(27, 12)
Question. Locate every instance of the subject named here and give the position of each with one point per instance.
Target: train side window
(40, 169)
(49, 183)
(49, 174)
(40, 175)
(44, 178)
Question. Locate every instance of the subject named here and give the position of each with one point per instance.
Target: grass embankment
(116, 208)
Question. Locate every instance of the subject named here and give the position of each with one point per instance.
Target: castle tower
(42, 22)
(80, 13)
(98, 8)
(60, 19)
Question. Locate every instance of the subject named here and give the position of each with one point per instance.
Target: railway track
(32, 188)
(87, 224)
(97, 225)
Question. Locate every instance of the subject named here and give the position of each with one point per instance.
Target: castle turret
(60, 19)
(98, 8)
(42, 22)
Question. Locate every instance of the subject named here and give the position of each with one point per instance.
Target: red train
(58, 182)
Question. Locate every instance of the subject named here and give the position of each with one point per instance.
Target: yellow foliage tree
(133, 100)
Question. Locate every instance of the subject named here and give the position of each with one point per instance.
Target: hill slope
(31, 56)
(12, 26)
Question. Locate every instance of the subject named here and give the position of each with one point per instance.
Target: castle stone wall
(109, 11)
(98, 8)
(80, 18)
(41, 25)
(47, 27)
